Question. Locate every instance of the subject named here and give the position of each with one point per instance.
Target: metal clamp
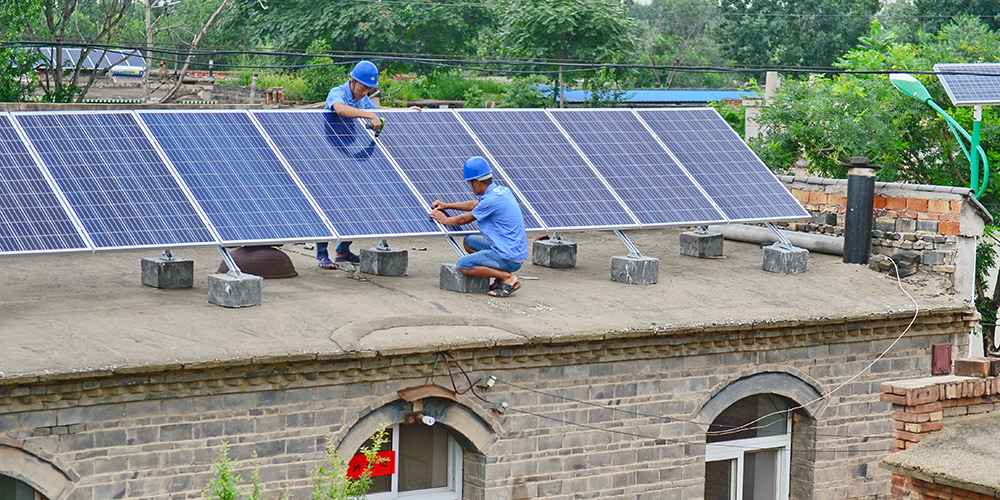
(383, 246)
(633, 252)
(782, 240)
(234, 270)
(166, 255)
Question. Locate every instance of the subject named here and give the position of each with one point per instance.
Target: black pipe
(860, 208)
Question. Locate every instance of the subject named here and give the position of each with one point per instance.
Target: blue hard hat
(366, 73)
(475, 168)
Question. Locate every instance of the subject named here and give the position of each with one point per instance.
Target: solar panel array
(131, 179)
(970, 84)
(96, 59)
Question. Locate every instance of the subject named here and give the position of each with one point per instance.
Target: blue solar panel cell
(122, 192)
(732, 175)
(352, 181)
(542, 164)
(236, 178)
(651, 184)
(31, 217)
(431, 147)
(971, 84)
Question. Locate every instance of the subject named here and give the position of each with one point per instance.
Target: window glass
(423, 457)
(382, 484)
(760, 469)
(12, 489)
(748, 410)
(718, 480)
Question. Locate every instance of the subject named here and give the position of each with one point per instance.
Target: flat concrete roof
(963, 454)
(83, 313)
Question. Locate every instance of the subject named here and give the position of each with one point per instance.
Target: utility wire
(502, 65)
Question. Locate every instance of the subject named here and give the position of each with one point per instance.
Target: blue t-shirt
(343, 95)
(501, 221)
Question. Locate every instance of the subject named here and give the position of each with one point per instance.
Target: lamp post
(912, 87)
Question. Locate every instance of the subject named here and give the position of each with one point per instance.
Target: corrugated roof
(663, 95)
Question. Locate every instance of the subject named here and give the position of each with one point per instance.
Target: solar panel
(650, 182)
(431, 147)
(978, 83)
(732, 175)
(237, 179)
(31, 217)
(122, 192)
(542, 164)
(353, 182)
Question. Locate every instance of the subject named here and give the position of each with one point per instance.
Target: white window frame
(736, 449)
(451, 492)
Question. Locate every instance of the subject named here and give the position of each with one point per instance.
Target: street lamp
(912, 87)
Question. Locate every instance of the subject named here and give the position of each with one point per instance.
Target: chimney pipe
(860, 207)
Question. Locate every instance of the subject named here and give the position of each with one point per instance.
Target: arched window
(747, 458)
(12, 489)
(426, 464)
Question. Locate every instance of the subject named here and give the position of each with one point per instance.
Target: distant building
(660, 97)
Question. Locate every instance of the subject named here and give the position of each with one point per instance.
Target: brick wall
(932, 228)
(153, 433)
(923, 406)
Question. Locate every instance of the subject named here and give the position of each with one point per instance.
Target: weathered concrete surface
(65, 313)
(962, 454)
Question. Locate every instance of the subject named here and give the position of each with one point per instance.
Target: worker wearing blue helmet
(350, 100)
(502, 245)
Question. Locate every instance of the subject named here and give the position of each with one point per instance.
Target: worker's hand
(417, 108)
(376, 123)
(438, 216)
(437, 204)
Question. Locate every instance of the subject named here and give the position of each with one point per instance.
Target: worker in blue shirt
(502, 246)
(350, 100)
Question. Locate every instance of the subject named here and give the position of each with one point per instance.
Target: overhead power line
(503, 66)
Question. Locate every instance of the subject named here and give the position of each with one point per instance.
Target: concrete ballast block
(384, 262)
(163, 273)
(784, 260)
(701, 244)
(452, 279)
(227, 290)
(553, 253)
(635, 270)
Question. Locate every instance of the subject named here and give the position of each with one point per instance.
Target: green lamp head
(910, 86)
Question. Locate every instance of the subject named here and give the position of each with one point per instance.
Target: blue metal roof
(664, 95)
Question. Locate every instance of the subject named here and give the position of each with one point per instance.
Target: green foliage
(592, 30)
(225, 485)
(680, 33)
(735, 115)
(322, 74)
(800, 33)
(17, 78)
(602, 92)
(403, 26)
(523, 92)
(330, 478)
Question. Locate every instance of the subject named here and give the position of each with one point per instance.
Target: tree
(16, 65)
(89, 22)
(934, 14)
(829, 119)
(809, 33)
(680, 33)
(568, 30)
(402, 26)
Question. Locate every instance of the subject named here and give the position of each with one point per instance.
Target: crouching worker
(502, 246)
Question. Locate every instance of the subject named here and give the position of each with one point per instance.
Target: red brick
(950, 218)
(800, 195)
(817, 197)
(893, 398)
(972, 367)
(895, 203)
(930, 426)
(879, 202)
(938, 206)
(926, 216)
(980, 408)
(898, 479)
(910, 437)
(945, 227)
(956, 207)
(922, 395)
(916, 204)
(913, 418)
(928, 408)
